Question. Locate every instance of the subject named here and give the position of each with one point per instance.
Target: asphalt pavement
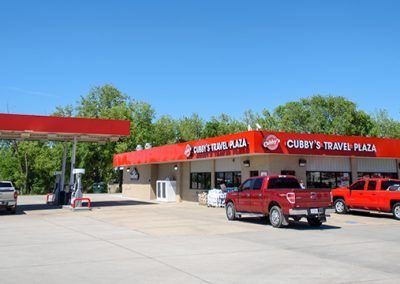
(129, 241)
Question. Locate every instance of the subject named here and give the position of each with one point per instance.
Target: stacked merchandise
(202, 198)
(230, 189)
(216, 198)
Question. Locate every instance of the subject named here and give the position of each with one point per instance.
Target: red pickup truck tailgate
(308, 198)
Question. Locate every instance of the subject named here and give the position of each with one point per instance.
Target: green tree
(322, 114)
(10, 166)
(165, 131)
(47, 160)
(66, 111)
(100, 101)
(30, 165)
(384, 126)
(190, 128)
(141, 123)
(222, 125)
(107, 102)
(268, 121)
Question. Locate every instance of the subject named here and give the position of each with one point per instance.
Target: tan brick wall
(153, 181)
(166, 170)
(187, 193)
(137, 191)
(257, 163)
(291, 163)
(144, 175)
(274, 164)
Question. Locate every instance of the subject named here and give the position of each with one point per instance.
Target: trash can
(99, 187)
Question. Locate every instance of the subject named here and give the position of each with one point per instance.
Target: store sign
(331, 146)
(271, 142)
(219, 146)
(188, 150)
(134, 174)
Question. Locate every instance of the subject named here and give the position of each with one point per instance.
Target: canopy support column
(62, 181)
(73, 159)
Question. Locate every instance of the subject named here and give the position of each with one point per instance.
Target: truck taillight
(330, 193)
(15, 195)
(291, 197)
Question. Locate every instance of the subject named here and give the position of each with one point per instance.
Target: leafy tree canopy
(30, 165)
(321, 114)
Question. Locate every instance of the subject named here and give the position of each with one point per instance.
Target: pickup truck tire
(231, 211)
(340, 206)
(276, 217)
(12, 210)
(396, 211)
(314, 222)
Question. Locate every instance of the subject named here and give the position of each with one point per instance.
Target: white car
(394, 187)
(8, 196)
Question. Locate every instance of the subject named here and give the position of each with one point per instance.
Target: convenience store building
(320, 161)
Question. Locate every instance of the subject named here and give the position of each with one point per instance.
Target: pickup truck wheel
(314, 222)
(276, 217)
(12, 210)
(340, 206)
(230, 211)
(396, 211)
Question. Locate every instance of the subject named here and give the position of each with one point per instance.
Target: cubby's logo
(271, 142)
(188, 150)
(134, 174)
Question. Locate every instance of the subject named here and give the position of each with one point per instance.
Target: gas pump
(57, 190)
(77, 188)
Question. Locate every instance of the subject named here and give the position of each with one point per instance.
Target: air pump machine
(77, 187)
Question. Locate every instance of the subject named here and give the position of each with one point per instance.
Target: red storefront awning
(264, 142)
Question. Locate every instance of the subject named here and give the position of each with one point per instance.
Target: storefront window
(314, 180)
(254, 173)
(328, 179)
(230, 179)
(200, 180)
(288, 173)
(377, 175)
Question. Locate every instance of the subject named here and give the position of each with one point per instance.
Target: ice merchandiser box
(166, 190)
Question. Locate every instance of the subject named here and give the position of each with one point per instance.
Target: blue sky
(203, 56)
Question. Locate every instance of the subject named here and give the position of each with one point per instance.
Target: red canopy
(53, 128)
(264, 142)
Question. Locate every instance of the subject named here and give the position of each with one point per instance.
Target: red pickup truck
(372, 194)
(279, 197)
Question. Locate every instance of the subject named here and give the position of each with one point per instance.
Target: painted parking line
(356, 218)
(352, 222)
(361, 221)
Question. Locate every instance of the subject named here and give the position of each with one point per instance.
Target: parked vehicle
(279, 197)
(371, 194)
(99, 187)
(395, 187)
(8, 196)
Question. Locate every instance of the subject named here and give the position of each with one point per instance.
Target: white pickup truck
(8, 196)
